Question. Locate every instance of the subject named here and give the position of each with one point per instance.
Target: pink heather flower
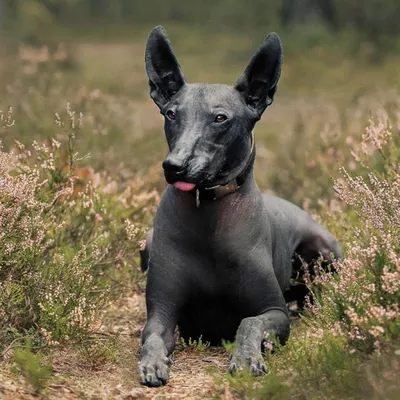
(376, 331)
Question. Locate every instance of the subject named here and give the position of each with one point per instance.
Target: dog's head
(208, 126)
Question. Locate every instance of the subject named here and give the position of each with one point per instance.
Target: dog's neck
(220, 191)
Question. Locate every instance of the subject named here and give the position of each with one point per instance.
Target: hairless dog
(220, 254)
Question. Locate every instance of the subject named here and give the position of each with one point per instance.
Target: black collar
(217, 192)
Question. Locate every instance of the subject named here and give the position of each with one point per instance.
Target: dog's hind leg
(297, 292)
(317, 244)
(145, 251)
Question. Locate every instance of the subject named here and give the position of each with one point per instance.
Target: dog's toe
(254, 365)
(235, 365)
(257, 367)
(162, 373)
(153, 373)
(232, 368)
(152, 379)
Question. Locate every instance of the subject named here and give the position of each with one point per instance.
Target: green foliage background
(374, 20)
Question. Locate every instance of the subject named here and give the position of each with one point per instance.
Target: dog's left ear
(164, 72)
(258, 83)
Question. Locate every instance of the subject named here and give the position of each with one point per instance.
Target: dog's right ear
(164, 72)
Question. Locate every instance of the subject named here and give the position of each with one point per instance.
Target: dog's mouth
(187, 184)
(184, 186)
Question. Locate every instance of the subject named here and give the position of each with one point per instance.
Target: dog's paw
(255, 365)
(154, 371)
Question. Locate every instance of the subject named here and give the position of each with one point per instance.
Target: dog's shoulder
(282, 208)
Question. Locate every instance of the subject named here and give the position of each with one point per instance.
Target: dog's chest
(210, 317)
(224, 287)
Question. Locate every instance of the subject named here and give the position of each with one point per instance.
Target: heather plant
(361, 302)
(31, 366)
(68, 238)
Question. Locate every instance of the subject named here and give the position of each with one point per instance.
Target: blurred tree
(1, 14)
(300, 11)
(303, 11)
(30, 17)
(328, 12)
(371, 19)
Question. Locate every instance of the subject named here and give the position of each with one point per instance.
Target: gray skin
(219, 270)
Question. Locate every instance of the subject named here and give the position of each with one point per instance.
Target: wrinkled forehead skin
(208, 97)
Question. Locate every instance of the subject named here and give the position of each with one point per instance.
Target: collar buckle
(221, 191)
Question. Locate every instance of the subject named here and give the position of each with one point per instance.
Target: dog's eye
(170, 114)
(220, 118)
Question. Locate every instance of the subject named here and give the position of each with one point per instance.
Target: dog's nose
(173, 164)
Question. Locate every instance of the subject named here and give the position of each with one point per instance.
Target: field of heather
(81, 177)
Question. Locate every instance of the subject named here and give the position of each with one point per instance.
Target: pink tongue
(184, 186)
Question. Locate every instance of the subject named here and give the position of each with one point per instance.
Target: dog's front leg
(157, 344)
(163, 296)
(251, 333)
(260, 289)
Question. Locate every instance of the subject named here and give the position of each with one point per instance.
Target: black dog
(221, 251)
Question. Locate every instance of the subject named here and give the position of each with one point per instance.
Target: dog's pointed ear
(258, 83)
(164, 72)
